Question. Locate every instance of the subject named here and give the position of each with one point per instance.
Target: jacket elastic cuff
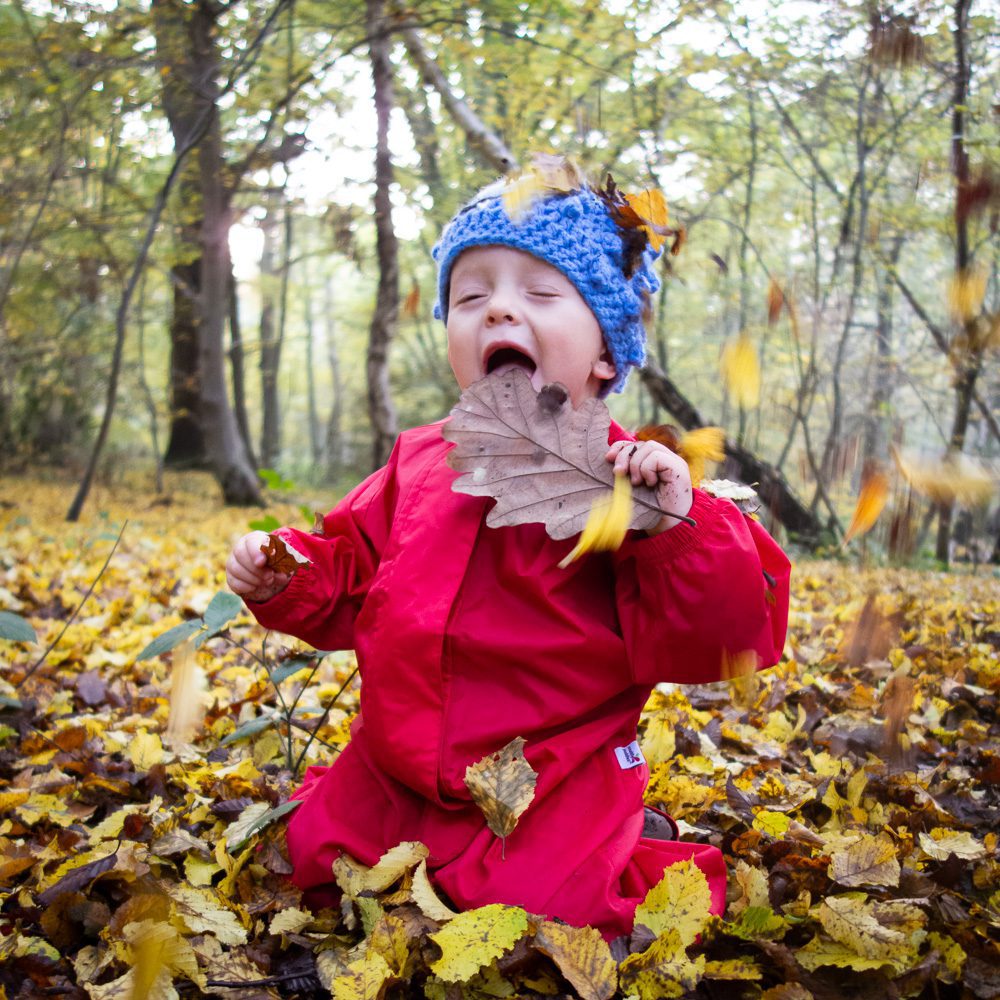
(668, 545)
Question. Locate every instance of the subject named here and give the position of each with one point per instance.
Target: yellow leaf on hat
(651, 207)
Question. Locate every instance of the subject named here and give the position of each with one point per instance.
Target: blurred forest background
(216, 221)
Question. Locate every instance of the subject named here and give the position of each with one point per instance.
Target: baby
(469, 636)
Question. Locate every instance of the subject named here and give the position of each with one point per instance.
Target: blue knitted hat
(575, 232)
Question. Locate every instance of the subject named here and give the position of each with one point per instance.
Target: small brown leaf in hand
(281, 557)
(502, 784)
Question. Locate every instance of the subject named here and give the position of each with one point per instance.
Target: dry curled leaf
(583, 958)
(502, 784)
(541, 460)
(281, 557)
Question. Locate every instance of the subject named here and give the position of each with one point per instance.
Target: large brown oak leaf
(541, 460)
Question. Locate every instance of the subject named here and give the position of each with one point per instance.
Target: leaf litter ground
(853, 790)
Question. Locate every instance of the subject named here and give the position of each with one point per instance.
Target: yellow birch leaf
(704, 444)
(680, 901)
(10, 799)
(199, 871)
(774, 824)
(201, 913)
(355, 878)
(659, 740)
(822, 951)
(426, 898)
(662, 970)
(502, 784)
(868, 861)
(290, 921)
(733, 969)
(741, 371)
(145, 750)
(607, 524)
(882, 931)
(583, 957)
(952, 954)
(156, 947)
(940, 842)
(390, 940)
(871, 501)
(123, 988)
(754, 889)
(476, 938)
(364, 979)
(187, 682)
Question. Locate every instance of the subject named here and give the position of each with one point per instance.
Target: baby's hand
(247, 572)
(657, 466)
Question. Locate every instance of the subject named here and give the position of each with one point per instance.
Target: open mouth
(509, 357)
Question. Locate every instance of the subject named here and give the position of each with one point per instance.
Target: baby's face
(509, 309)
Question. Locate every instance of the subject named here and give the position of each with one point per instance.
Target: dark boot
(658, 825)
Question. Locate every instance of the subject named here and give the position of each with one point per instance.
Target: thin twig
(69, 621)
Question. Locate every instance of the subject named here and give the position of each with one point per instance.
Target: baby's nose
(499, 312)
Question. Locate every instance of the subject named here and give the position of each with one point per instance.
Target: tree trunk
(877, 426)
(236, 367)
(269, 347)
(381, 410)
(774, 491)
(970, 361)
(186, 51)
(186, 443)
(336, 452)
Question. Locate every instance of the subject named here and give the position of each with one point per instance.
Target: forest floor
(854, 791)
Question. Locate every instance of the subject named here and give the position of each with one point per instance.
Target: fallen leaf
(680, 902)
(426, 898)
(868, 861)
(145, 750)
(475, 938)
(583, 958)
(355, 878)
(502, 784)
(662, 970)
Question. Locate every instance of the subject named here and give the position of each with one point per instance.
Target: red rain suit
(469, 636)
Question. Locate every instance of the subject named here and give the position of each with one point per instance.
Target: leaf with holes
(541, 460)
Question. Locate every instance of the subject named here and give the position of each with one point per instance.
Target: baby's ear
(604, 367)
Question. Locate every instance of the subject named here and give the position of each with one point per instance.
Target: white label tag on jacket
(630, 756)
